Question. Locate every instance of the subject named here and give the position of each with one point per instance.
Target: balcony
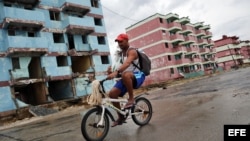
(75, 8)
(177, 50)
(184, 20)
(82, 26)
(21, 19)
(208, 34)
(26, 3)
(189, 40)
(176, 38)
(31, 47)
(196, 60)
(204, 50)
(187, 29)
(200, 33)
(202, 42)
(198, 25)
(205, 27)
(76, 2)
(82, 52)
(171, 17)
(192, 50)
(174, 27)
(183, 61)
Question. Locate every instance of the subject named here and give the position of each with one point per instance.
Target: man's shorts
(139, 79)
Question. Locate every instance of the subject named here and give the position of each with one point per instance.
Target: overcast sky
(225, 17)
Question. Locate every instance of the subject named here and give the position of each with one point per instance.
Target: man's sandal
(129, 105)
(119, 121)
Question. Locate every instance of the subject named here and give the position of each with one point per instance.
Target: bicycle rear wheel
(142, 111)
(89, 128)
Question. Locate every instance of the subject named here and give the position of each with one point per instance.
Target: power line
(118, 13)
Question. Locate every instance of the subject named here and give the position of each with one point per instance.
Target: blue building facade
(49, 49)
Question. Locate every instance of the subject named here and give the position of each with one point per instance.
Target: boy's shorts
(139, 79)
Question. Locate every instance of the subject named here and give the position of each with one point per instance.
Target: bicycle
(95, 123)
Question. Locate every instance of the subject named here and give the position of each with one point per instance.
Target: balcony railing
(27, 3)
(75, 7)
(200, 33)
(176, 38)
(75, 25)
(22, 19)
(187, 29)
(174, 27)
(183, 61)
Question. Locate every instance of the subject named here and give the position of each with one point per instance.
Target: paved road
(194, 111)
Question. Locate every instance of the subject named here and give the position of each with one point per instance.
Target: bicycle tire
(142, 104)
(88, 127)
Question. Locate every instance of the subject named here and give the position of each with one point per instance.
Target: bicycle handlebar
(103, 80)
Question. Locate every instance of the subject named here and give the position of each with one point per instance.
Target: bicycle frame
(106, 102)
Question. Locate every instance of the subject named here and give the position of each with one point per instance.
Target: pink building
(231, 52)
(176, 47)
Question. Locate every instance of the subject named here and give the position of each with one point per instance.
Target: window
(71, 43)
(58, 38)
(7, 4)
(105, 59)
(84, 39)
(187, 45)
(11, 32)
(54, 15)
(15, 63)
(175, 45)
(172, 70)
(62, 61)
(163, 32)
(169, 58)
(166, 45)
(94, 3)
(31, 34)
(98, 21)
(101, 40)
(161, 21)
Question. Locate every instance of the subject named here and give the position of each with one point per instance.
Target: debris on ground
(41, 111)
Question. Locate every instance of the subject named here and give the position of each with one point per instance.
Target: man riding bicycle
(130, 76)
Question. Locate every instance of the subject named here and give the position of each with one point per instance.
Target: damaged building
(49, 50)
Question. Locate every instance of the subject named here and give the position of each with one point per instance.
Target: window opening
(161, 21)
(98, 21)
(61, 61)
(58, 38)
(15, 63)
(101, 40)
(71, 41)
(169, 58)
(172, 70)
(166, 45)
(54, 15)
(31, 34)
(84, 39)
(94, 3)
(105, 59)
(11, 32)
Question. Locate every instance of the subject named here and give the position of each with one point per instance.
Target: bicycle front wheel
(142, 111)
(89, 128)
